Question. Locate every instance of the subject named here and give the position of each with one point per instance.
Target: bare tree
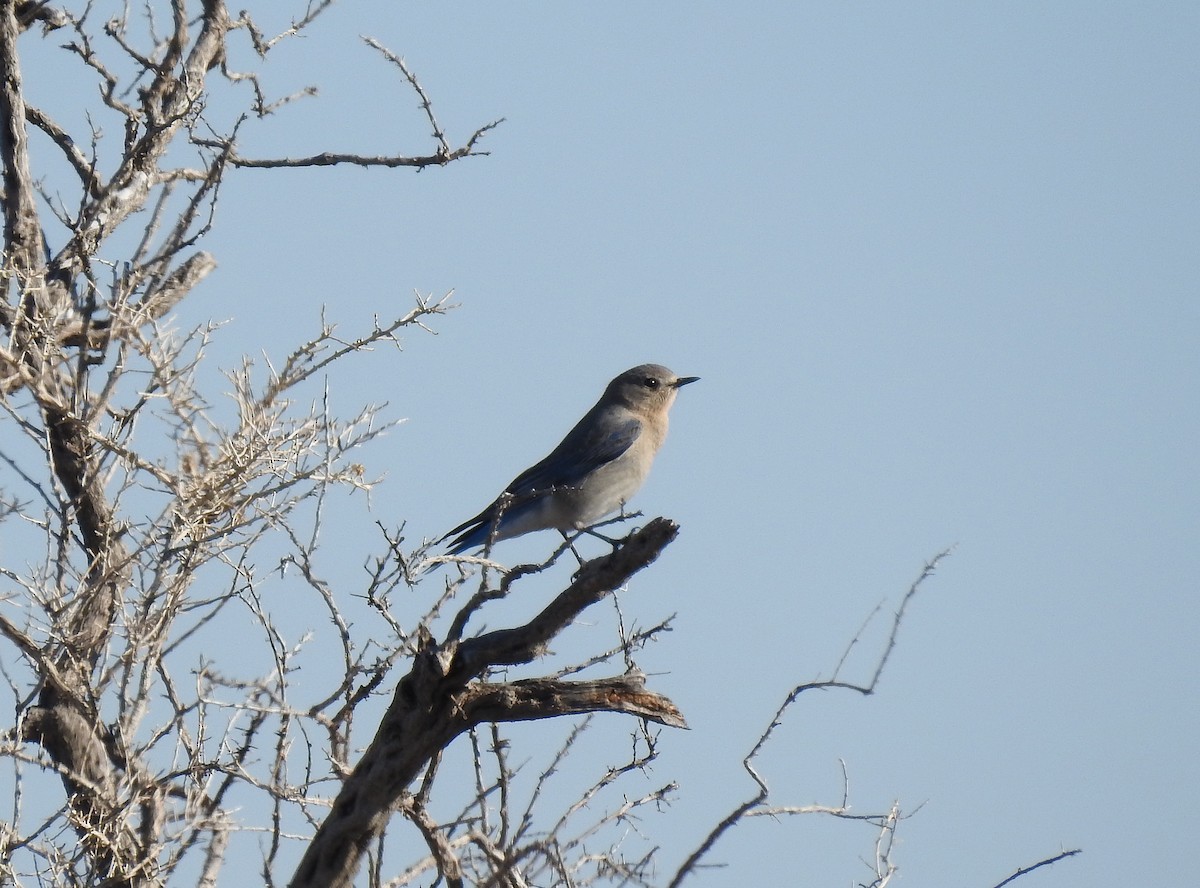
(149, 520)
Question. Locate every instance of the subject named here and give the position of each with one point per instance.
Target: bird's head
(647, 387)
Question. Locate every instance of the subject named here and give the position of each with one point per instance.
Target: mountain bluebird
(598, 466)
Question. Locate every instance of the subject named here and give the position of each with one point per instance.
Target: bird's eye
(650, 382)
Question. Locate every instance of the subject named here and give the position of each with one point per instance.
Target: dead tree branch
(758, 802)
(85, 366)
(1025, 870)
(436, 702)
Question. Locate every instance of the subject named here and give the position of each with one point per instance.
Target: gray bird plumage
(594, 471)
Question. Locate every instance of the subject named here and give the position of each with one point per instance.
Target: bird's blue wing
(579, 454)
(576, 458)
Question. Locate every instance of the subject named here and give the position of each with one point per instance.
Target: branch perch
(438, 700)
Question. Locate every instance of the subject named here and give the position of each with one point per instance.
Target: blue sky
(936, 265)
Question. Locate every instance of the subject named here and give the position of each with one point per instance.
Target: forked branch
(439, 699)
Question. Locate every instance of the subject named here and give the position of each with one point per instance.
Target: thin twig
(1047, 862)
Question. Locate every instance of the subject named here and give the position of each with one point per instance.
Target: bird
(594, 471)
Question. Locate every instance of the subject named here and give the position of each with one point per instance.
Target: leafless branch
(1025, 870)
(759, 799)
(435, 702)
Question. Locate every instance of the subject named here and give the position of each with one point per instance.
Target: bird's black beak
(684, 380)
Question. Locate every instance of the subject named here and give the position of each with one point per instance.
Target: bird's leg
(598, 535)
(570, 541)
(621, 517)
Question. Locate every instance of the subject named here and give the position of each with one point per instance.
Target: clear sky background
(936, 264)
